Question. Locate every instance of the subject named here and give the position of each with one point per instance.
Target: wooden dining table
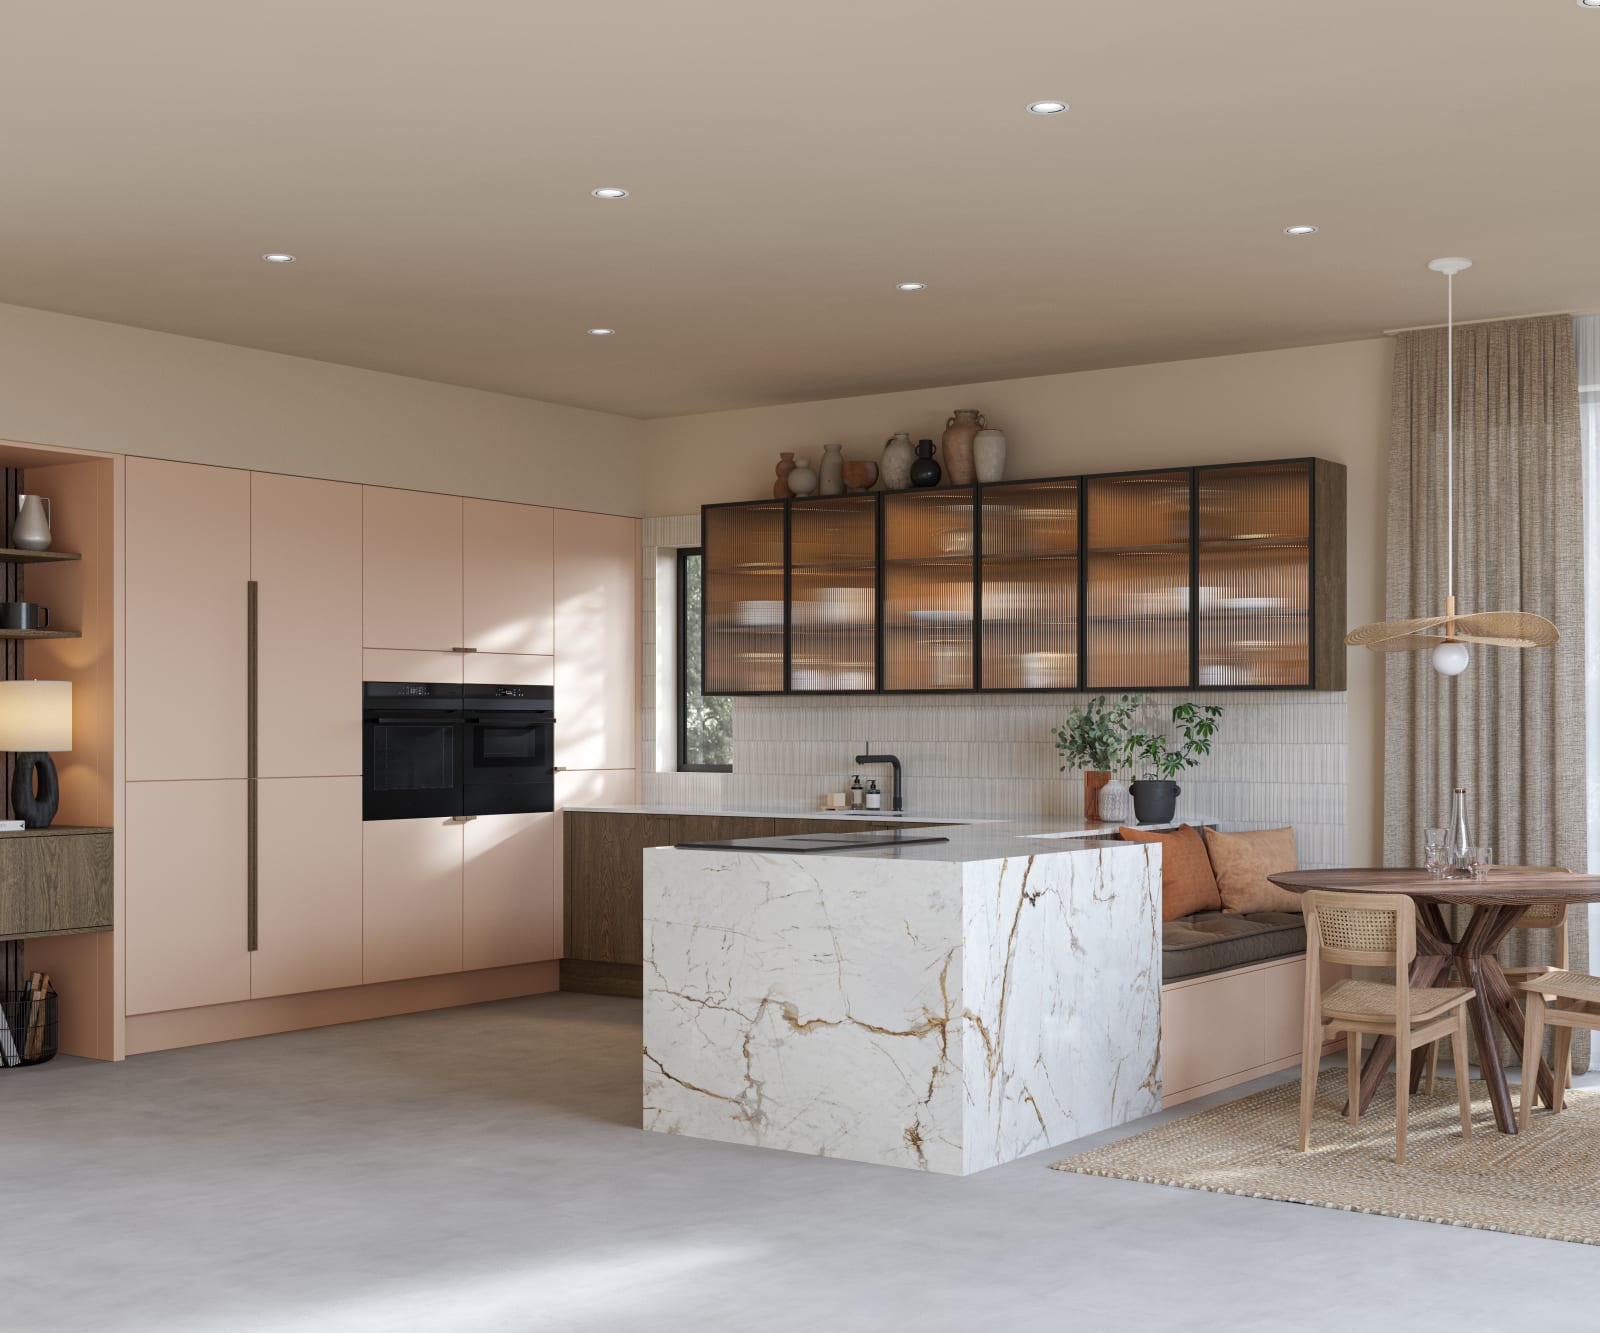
(1498, 902)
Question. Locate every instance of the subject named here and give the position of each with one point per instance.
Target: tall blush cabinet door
(187, 571)
(411, 898)
(596, 640)
(507, 551)
(411, 569)
(187, 908)
(509, 890)
(305, 558)
(308, 869)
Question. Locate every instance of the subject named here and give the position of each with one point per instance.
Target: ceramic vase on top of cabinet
(830, 475)
(989, 455)
(898, 455)
(780, 487)
(959, 433)
(802, 480)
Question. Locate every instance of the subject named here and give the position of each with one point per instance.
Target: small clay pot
(860, 474)
(780, 488)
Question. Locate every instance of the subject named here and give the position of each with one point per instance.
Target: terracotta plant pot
(1093, 780)
(860, 475)
(780, 488)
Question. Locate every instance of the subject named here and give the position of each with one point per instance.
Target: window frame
(680, 697)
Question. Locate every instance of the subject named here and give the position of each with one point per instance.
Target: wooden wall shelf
(54, 881)
(40, 634)
(10, 555)
(1228, 576)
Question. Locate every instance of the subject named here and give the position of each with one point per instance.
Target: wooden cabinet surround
(603, 882)
(1218, 577)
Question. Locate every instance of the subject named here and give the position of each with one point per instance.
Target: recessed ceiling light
(1304, 229)
(910, 286)
(1590, 4)
(1048, 108)
(602, 333)
(279, 259)
(609, 192)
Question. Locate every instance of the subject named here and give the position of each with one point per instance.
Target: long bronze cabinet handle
(252, 690)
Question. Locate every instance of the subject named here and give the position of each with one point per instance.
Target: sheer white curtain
(1586, 336)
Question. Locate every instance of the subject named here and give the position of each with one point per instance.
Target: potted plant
(1155, 794)
(1095, 739)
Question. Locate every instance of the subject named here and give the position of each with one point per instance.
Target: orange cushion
(1242, 862)
(1187, 884)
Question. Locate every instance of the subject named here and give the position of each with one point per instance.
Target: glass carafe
(1459, 865)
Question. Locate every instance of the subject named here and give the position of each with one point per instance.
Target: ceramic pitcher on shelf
(959, 432)
(898, 455)
(31, 530)
(830, 472)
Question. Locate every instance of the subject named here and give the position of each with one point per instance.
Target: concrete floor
(480, 1170)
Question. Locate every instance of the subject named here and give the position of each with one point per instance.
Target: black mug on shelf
(24, 615)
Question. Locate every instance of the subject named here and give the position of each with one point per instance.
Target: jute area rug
(1544, 1183)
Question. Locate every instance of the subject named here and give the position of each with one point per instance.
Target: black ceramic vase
(1154, 800)
(925, 471)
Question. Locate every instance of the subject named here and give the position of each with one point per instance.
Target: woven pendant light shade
(1500, 629)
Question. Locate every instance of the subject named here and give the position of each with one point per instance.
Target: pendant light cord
(1450, 437)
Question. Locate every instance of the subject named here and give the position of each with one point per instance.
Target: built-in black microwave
(454, 751)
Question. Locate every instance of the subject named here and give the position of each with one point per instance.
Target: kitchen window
(705, 726)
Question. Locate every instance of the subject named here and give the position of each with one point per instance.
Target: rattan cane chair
(1564, 1001)
(1373, 930)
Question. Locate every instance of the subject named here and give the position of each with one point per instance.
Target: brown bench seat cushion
(1192, 946)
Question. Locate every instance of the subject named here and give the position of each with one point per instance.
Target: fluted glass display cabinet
(833, 594)
(1029, 585)
(745, 571)
(1217, 577)
(929, 567)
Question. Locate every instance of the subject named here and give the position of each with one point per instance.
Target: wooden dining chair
(1374, 930)
(1542, 916)
(1564, 1001)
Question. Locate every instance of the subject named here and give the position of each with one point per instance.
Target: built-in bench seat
(1192, 946)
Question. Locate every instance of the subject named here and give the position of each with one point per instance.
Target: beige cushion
(1242, 862)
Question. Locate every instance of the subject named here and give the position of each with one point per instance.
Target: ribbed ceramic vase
(989, 454)
(898, 455)
(959, 432)
(830, 474)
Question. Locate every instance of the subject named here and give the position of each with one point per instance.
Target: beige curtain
(1511, 728)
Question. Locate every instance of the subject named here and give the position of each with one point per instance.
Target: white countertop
(910, 816)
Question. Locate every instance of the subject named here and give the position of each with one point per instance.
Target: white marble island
(945, 1007)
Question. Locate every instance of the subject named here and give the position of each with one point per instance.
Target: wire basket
(27, 1028)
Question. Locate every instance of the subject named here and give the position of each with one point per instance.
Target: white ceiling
(430, 165)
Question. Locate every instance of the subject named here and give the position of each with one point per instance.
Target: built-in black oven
(454, 751)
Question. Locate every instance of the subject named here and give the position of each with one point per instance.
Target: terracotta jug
(780, 488)
(958, 435)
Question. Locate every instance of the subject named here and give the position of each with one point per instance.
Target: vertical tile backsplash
(1279, 756)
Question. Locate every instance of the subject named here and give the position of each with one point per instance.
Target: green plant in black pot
(1159, 761)
(1095, 740)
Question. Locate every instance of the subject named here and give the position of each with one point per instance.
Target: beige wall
(1330, 401)
(83, 384)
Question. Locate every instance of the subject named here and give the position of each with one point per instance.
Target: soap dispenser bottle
(874, 796)
(857, 795)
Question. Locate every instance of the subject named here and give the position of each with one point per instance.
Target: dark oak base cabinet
(54, 881)
(1225, 577)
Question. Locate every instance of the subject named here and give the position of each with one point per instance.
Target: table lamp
(35, 717)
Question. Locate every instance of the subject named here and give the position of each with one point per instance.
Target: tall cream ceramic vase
(830, 472)
(30, 530)
(989, 454)
(958, 436)
(898, 456)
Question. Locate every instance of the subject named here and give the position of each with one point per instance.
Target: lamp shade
(35, 715)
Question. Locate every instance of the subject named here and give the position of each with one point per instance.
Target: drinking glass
(1435, 852)
(1480, 859)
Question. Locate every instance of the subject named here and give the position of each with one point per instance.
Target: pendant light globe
(1450, 659)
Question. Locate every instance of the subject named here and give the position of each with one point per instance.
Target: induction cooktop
(809, 843)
